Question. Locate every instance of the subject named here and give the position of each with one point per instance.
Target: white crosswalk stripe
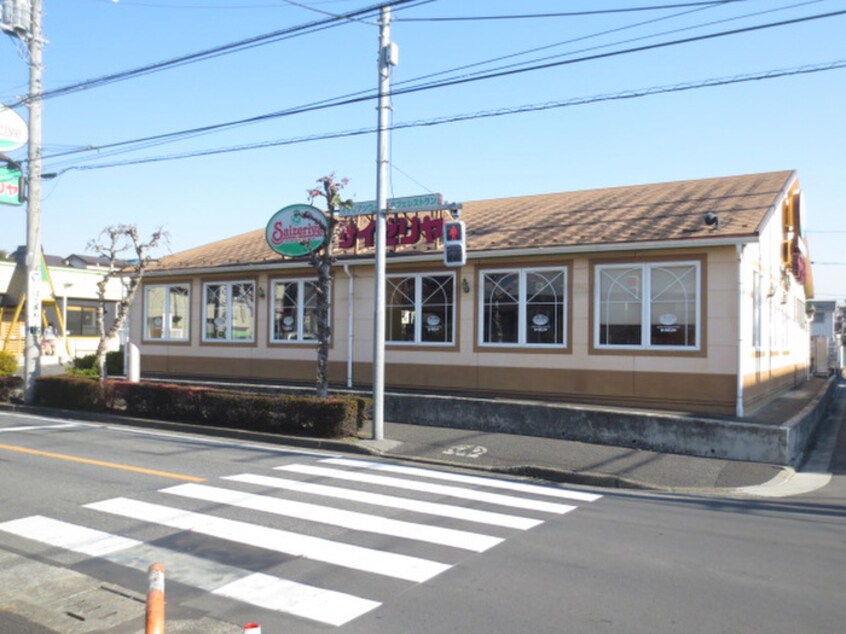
(391, 501)
(287, 542)
(428, 487)
(339, 517)
(497, 483)
(358, 489)
(266, 591)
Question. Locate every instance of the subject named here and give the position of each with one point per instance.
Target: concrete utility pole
(387, 58)
(32, 350)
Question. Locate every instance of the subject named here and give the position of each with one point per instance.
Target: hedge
(70, 392)
(331, 417)
(11, 387)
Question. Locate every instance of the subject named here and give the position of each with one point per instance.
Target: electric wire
(616, 43)
(211, 53)
(451, 82)
(577, 101)
(567, 14)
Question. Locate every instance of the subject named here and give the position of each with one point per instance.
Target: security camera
(455, 211)
(712, 220)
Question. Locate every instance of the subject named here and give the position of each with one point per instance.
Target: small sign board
(11, 186)
(296, 230)
(14, 132)
(405, 204)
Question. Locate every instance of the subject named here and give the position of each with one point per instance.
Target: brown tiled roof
(633, 214)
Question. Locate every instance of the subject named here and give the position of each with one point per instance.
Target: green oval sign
(296, 230)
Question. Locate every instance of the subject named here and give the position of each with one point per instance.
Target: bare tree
(110, 245)
(322, 260)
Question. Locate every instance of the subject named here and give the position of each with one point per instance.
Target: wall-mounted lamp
(712, 220)
(465, 285)
(260, 292)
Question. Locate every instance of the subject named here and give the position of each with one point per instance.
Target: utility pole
(32, 350)
(387, 58)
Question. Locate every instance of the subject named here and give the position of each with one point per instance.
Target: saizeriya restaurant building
(685, 296)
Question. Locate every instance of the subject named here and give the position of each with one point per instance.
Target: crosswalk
(395, 522)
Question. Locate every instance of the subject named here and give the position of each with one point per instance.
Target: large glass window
(166, 312)
(294, 306)
(651, 305)
(420, 308)
(229, 311)
(524, 307)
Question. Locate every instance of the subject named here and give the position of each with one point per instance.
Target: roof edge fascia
(476, 255)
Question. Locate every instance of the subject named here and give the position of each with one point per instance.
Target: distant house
(825, 339)
(69, 302)
(685, 296)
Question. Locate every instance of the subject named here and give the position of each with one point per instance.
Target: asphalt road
(354, 546)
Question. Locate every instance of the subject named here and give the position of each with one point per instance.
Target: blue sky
(793, 122)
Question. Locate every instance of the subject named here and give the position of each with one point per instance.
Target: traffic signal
(455, 250)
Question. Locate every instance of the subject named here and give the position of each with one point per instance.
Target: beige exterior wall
(700, 380)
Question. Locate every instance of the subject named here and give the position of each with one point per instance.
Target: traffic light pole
(32, 351)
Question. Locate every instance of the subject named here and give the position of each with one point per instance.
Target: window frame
(522, 273)
(646, 269)
(418, 341)
(166, 315)
(229, 312)
(300, 339)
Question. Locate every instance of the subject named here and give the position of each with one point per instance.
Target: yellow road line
(100, 463)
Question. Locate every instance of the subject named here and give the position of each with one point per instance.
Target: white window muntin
(419, 309)
(230, 317)
(522, 315)
(646, 305)
(173, 327)
(299, 332)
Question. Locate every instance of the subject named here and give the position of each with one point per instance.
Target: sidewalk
(544, 458)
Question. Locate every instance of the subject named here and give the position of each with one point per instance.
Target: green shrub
(114, 363)
(11, 387)
(87, 365)
(87, 362)
(69, 392)
(8, 363)
(296, 415)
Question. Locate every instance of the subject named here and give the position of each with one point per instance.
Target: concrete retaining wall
(710, 438)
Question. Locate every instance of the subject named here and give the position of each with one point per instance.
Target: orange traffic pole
(155, 600)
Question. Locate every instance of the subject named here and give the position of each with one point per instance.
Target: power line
(601, 46)
(568, 14)
(445, 83)
(217, 51)
(629, 94)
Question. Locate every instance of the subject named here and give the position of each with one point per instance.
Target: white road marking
(68, 536)
(294, 544)
(262, 590)
(391, 501)
(38, 427)
(222, 443)
(496, 483)
(272, 593)
(427, 487)
(338, 517)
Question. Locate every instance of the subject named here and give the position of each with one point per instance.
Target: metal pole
(33, 209)
(385, 62)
